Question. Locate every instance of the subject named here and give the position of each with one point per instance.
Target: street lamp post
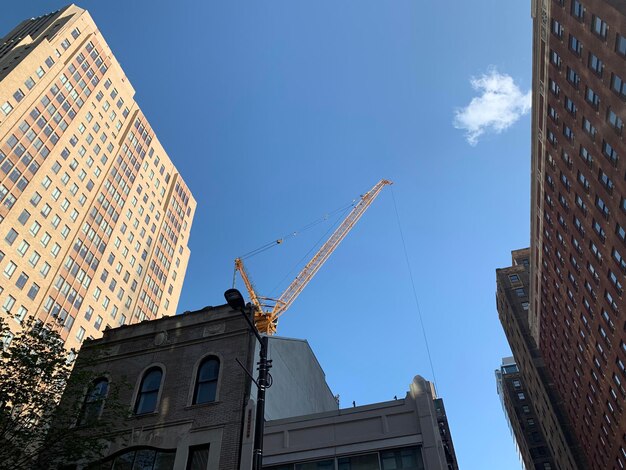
(235, 301)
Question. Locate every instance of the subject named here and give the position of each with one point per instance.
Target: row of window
(148, 392)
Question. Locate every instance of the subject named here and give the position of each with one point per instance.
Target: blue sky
(278, 112)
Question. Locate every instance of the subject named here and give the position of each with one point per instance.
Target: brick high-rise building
(542, 434)
(94, 217)
(578, 217)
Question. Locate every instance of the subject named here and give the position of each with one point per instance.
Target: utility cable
(408, 264)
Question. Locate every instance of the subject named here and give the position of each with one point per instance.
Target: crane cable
(304, 228)
(408, 264)
(324, 236)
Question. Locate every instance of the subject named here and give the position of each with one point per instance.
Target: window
(606, 181)
(21, 313)
(9, 269)
(408, 458)
(148, 391)
(555, 59)
(18, 95)
(592, 98)
(620, 45)
(609, 152)
(45, 239)
(11, 236)
(45, 269)
(94, 400)
(23, 218)
(599, 230)
(35, 199)
(144, 458)
(206, 381)
(578, 10)
(21, 281)
(573, 77)
(557, 28)
(589, 128)
(570, 106)
(568, 133)
(615, 121)
(595, 64)
(34, 259)
(8, 304)
(575, 45)
(599, 27)
(199, 458)
(6, 108)
(554, 87)
(33, 291)
(618, 85)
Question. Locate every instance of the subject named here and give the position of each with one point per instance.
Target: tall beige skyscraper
(94, 217)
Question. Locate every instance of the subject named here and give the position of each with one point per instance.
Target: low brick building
(190, 404)
(186, 394)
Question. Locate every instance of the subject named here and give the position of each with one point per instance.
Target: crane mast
(267, 310)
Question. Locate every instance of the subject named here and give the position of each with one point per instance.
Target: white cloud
(500, 104)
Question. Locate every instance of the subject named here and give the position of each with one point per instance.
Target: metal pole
(259, 426)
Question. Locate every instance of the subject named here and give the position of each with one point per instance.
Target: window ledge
(202, 405)
(142, 415)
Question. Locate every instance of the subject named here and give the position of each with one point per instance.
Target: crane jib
(267, 313)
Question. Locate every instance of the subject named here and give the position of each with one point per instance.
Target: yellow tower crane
(268, 310)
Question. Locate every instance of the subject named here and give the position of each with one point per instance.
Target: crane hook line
(408, 264)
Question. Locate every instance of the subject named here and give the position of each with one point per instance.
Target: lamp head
(234, 299)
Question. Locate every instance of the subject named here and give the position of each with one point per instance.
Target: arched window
(94, 400)
(148, 391)
(206, 381)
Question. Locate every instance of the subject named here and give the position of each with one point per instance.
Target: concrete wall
(299, 386)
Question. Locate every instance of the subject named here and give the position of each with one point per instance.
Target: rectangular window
(575, 45)
(618, 85)
(620, 47)
(609, 152)
(595, 64)
(11, 236)
(21, 281)
(45, 269)
(573, 77)
(8, 304)
(34, 259)
(592, 97)
(589, 128)
(570, 106)
(615, 121)
(578, 10)
(599, 27)
(6, 108)
(555, 59)
(33, 291)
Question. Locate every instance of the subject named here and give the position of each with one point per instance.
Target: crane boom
(267, 311)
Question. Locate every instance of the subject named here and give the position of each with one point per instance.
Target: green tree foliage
(35, 432)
